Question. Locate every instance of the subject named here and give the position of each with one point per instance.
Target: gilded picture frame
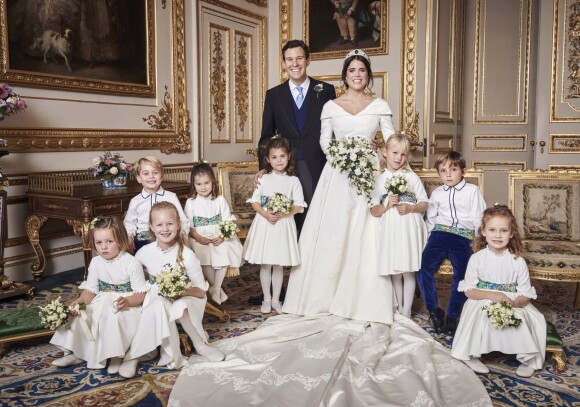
(83, 46)
(325, 27)
(65, 120)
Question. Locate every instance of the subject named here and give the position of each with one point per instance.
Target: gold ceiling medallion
(162, 119)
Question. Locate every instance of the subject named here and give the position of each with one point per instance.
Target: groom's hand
(257, 177)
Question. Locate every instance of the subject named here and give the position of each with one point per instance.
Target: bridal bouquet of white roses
(354, 158)
(56, 314)
(501, 315)
(228, 229)
(397, 185)
(279, 203)
(171, 281)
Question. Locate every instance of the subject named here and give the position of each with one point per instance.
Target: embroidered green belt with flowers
(201, 221)
(486, 285)
(152, 278)
(466, 233)
(115, 288)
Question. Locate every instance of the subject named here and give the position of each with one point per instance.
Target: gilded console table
(78, 198)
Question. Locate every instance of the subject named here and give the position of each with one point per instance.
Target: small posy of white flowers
(56, 314)
(501, 315)
(171, 281)
(228, 229)
(279, 203)
(212, 232)
(318, 88)
(397, 185)
(355, 158)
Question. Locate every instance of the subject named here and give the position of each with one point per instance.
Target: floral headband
(358, 52)
(96, 220)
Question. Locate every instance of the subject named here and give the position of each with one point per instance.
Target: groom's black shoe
(450, 326)
(437, 318)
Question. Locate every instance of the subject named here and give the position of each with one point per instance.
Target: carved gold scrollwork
(218, 83)
(259, 3)
(412, 130)
(574, 52)
(33, 225)
(163, 119)
(242, 85)
(408, 63)
(285, 30)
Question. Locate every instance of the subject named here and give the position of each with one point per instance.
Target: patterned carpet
(27, 377)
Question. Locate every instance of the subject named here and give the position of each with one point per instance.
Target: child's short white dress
(402, 237)
(475, 334)
(111, 333)
(205, 215)
(157, 326)
(277, 243)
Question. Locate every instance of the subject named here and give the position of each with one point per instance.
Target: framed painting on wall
(334, 27)
(103, 47)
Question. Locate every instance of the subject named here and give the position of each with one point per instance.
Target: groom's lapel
(313, 98)
(285, 99)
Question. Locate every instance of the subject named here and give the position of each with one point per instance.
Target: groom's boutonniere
(318, 88)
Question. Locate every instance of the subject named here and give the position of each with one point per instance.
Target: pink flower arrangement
(10, 102)
(109, 166)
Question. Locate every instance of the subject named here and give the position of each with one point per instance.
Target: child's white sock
(220, 274)
(409, 284)
(196, 339)
(397, 280)
(209, 274)
(266, 280)
(277, 280)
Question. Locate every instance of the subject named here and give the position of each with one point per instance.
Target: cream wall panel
(446, 52)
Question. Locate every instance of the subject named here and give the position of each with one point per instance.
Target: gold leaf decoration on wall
(259, 3)
(218, 83)
(574, 52)
(242, 85)
(163, 119)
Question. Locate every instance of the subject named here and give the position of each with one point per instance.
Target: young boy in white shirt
(149, 173)
(453, 219)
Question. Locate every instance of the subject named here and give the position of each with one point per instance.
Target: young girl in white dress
(113, 292)
(403, 232)
(205, 210)
(157, 326)
(272, 238)
(496, 273)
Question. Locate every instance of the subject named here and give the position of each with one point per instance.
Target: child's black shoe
(437, 318)
(450, 326)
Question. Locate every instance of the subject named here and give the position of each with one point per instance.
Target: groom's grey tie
(299, 97)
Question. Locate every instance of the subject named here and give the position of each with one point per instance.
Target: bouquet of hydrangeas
(228, 229)
(397, 185)
(56, 314)
(171, 281)
(109, 166)
(10, 102)
(279, 203)
(355, 158)
(501, 315)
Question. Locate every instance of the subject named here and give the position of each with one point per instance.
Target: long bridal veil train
(340, 343)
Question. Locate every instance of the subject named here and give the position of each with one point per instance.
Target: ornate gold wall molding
(501, 90)
(444, 143)
(49, 254)
(564, 143)
(564, 167)
(565, 101)
(259, 3)
(408, 67)
(285, 15)
(242, 88)
(499, 166)
(219, 75)
(445, 62)
(510, 142)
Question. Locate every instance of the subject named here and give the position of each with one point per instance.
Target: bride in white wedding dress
(340, 342)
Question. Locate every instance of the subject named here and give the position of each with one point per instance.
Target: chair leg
(577, 298)
(213, 310)
(559, 359)
(185, 344)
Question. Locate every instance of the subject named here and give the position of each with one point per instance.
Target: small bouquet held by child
(279, 203)
(56, 314)
(397, 185)
(355, 158)
(228, 229)
(172, 281)
(501, 315)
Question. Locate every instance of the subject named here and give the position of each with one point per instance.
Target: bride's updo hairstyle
(358, 55)
(277, 141)
(404, 141)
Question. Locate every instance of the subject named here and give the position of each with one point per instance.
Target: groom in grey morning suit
(292, 109)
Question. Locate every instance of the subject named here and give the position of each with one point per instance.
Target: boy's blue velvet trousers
(439, 246)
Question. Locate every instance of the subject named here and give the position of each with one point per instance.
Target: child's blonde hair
(405, 141)
(203, 168)
(149, 160)
(162, 206)
(117, 227)
(515, 243)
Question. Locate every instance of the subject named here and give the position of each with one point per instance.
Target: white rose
(114, 171)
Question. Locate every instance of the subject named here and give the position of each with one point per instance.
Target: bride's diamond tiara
(358, 52)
